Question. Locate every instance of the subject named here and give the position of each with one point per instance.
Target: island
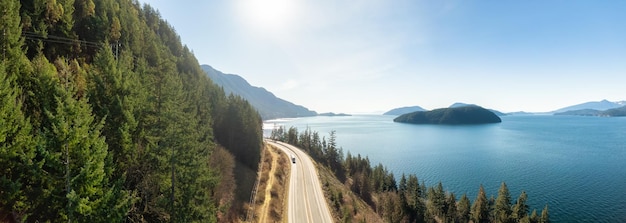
(465, 115)
(331, 114)
(614, 112)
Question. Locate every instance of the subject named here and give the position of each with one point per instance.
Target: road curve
(306, 201)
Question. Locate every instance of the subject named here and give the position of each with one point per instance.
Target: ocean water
(576, 165)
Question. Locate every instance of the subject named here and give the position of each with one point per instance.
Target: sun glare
(267, 15)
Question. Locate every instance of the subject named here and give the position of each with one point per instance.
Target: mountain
(404, 110)
(464, 115)
(595, 105)
(520, 113)
(332, 114)
(614, 112)
(460, 104)
(581, 112)
(268, 105)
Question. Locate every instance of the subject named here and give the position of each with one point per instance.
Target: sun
(268, 15)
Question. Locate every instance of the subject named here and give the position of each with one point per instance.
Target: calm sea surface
(576, 165)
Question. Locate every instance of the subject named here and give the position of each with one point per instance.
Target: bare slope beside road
(306, 201)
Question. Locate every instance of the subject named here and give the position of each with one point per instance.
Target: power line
(64, 40)
(58, 39)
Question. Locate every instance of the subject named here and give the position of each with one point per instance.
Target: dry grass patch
(272, 188)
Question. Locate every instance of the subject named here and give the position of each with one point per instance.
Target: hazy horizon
(340, 56)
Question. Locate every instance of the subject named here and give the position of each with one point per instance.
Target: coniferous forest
(106, 117)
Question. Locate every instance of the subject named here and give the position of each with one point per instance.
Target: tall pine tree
(463, 209)
(480, 208)
(503, 205)
(520, 210)
(16, 151)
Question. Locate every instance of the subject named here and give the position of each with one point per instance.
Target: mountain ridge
(267, 104)
(595, 105)
(404, 110)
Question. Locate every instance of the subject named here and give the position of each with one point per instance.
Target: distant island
(404, 110)
(614, 112)
(409, 109)
(463, 115)
(333, 114)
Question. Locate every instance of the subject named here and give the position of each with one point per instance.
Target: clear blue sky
(374, 55)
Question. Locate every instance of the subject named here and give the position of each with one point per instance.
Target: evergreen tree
(16, 150)
(11, 41)
(520, 210)
(480, 208)
(75, 165)
(451, 209)
(534, 218)
(437, 200)
(402, 187)
(545, 215)
(503, 205)
(463, 209)
(414, 200)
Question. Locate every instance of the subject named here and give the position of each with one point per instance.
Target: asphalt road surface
(306, 201)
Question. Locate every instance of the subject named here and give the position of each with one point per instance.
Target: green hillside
(615, 112)
(106, 116)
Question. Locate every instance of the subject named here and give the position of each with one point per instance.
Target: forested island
(464, 115)
(105, 116)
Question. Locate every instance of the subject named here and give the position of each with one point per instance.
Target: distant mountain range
(332, 114)
(595, 108)
(592, 105)
(613, 112)
(404, 110)
(267, 104)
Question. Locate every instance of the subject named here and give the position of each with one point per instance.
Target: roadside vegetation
(345, 205)
(406, 200)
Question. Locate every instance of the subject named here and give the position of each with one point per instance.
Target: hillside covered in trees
(406, 200)
(463, 115)
(267, 104)
(106, 117)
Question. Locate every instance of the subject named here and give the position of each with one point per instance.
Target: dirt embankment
(271, 197)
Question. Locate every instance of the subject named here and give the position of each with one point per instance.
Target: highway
(306, 201)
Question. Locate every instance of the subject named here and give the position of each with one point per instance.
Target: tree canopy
(107, 117)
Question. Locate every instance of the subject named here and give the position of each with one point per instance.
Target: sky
(370, 56)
